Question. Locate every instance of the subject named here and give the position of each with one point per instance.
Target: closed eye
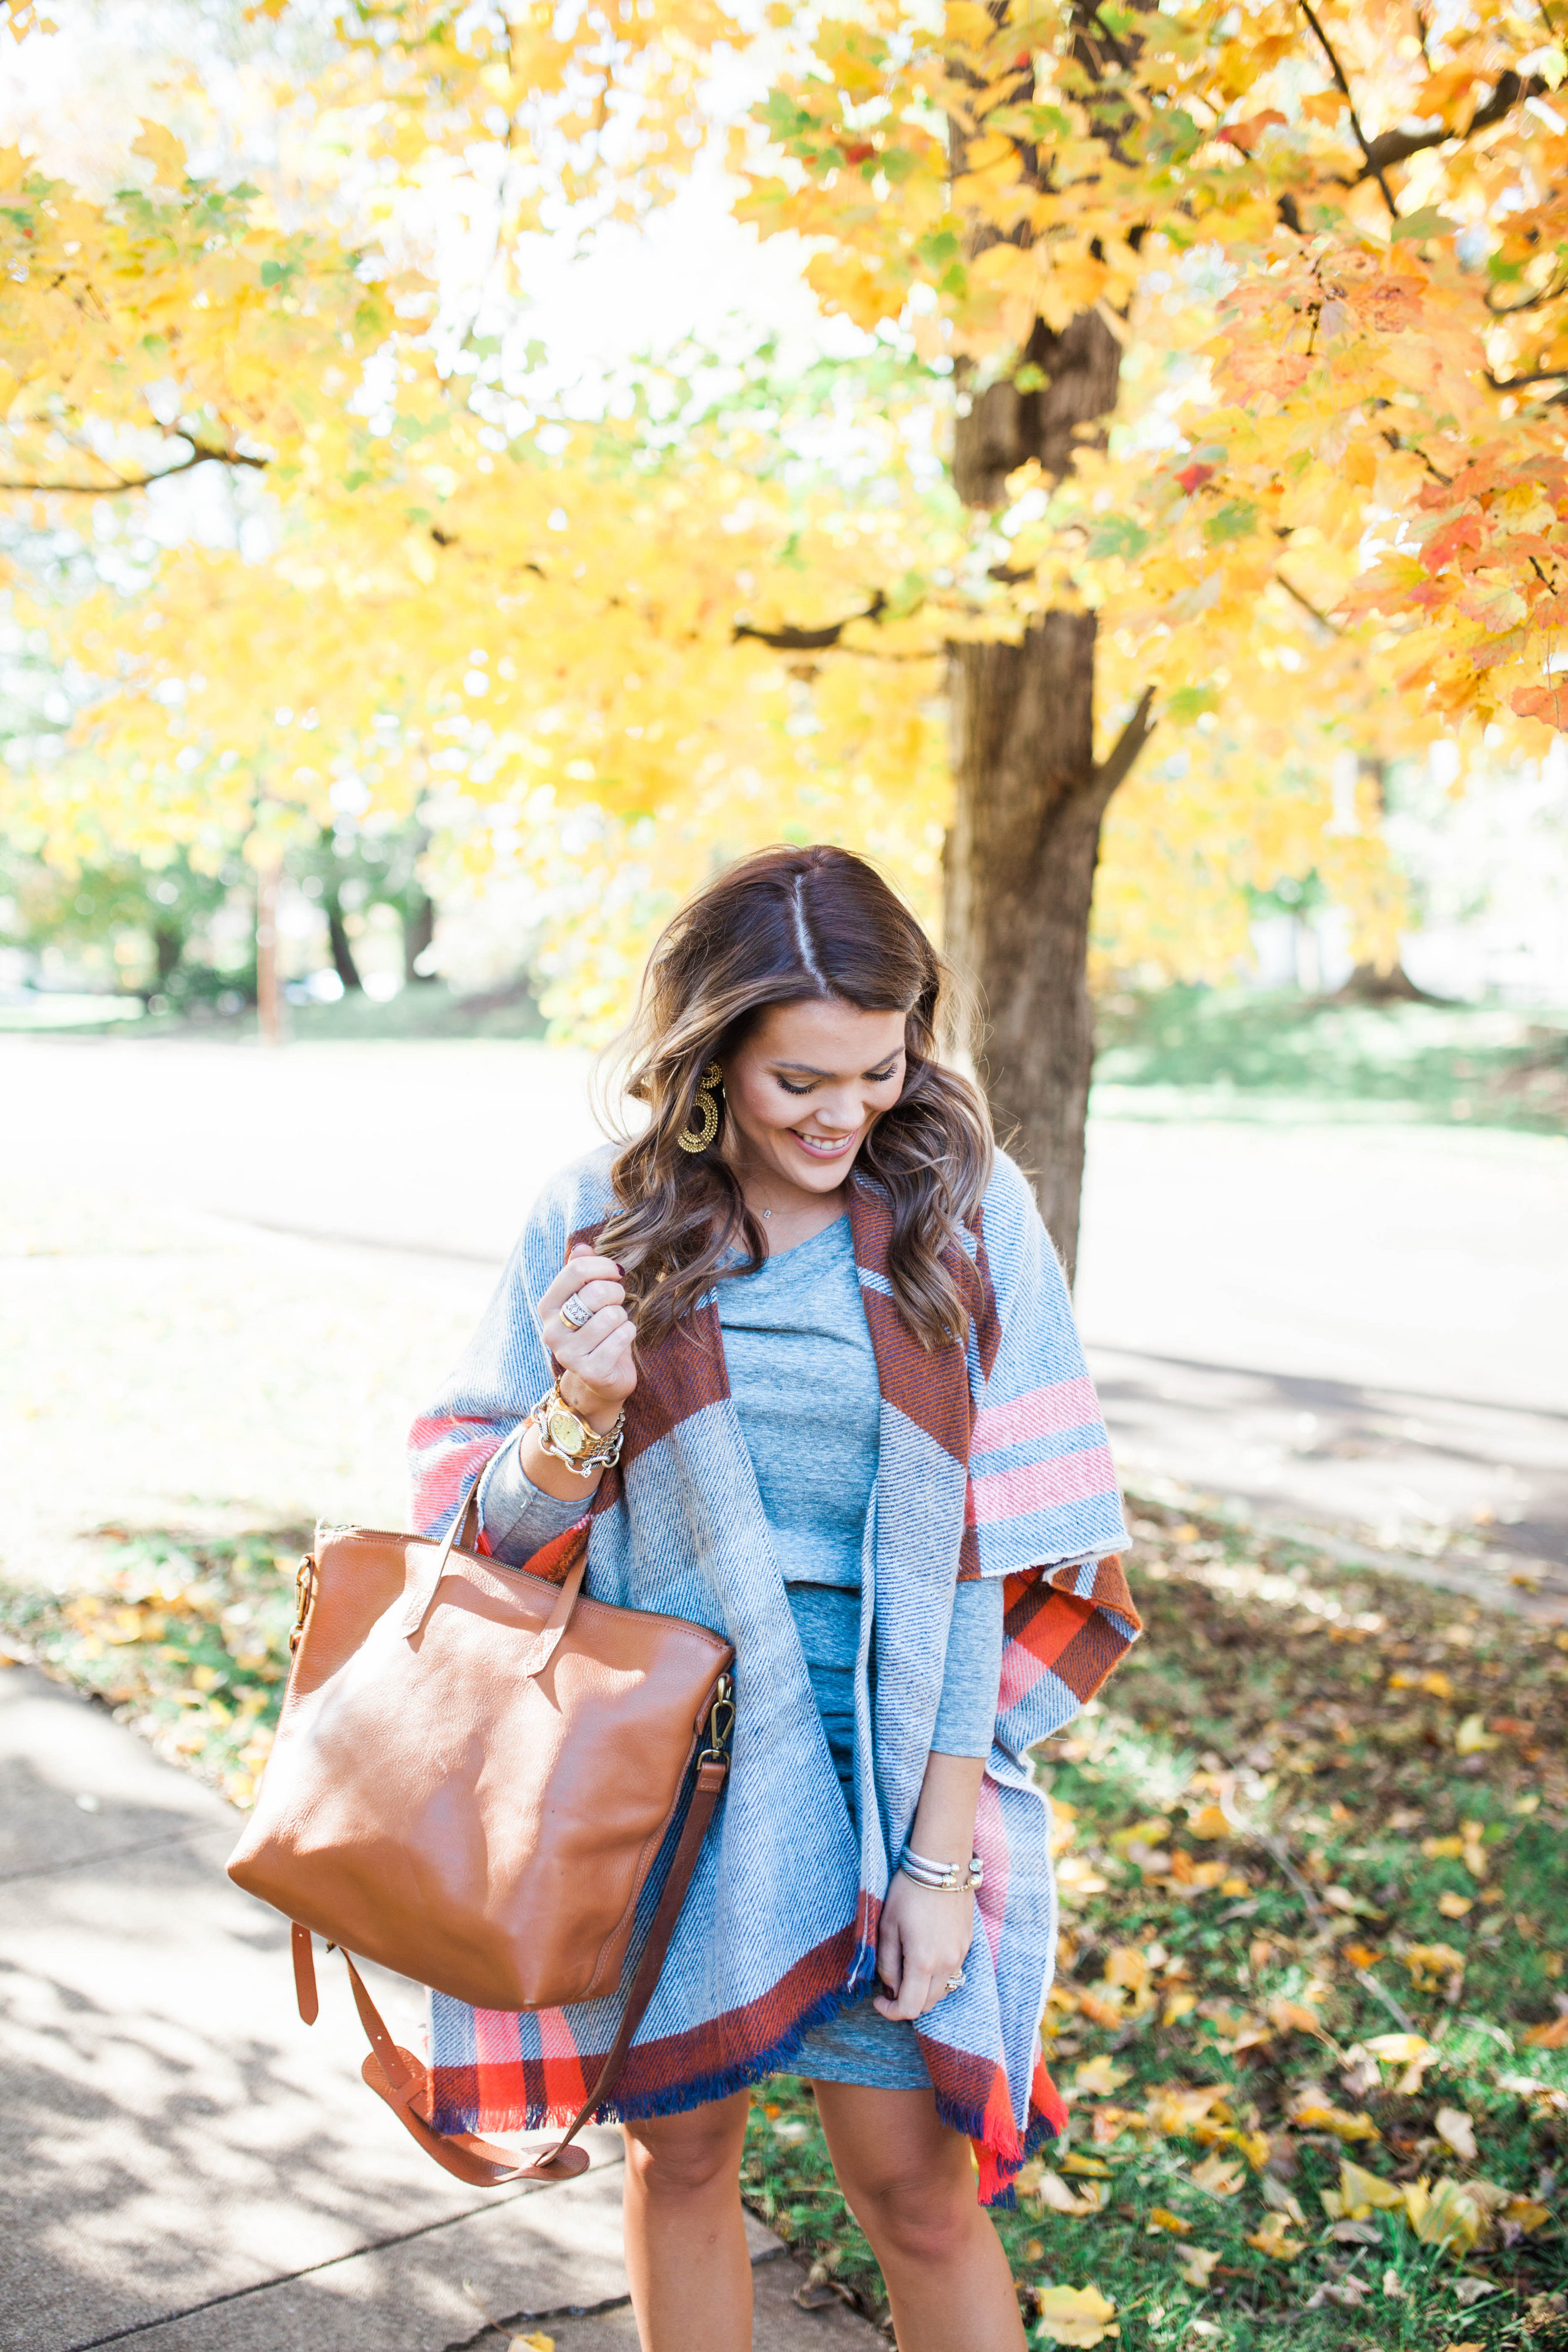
(873, 1078)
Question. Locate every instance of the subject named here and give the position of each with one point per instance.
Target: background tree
(1239, 313)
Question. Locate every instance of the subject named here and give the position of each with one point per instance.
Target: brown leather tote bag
(475, 1770)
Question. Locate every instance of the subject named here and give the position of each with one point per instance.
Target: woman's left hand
(923, 1939)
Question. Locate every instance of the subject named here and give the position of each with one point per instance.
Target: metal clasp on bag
(304, 1593)
(720, 1723)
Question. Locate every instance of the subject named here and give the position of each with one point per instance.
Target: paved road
(188, 2168)
(1355, 1325)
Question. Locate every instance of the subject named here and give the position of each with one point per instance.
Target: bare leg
(910, 2184)
(685, 2243)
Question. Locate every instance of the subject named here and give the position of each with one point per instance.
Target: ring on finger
(574, 1313)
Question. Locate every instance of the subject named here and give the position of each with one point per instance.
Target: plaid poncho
(993, 1462)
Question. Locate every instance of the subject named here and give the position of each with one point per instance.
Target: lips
(823, 1147)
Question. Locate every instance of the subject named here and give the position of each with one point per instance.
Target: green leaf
(1427, 222)
(1117, 535)
(1236, 519)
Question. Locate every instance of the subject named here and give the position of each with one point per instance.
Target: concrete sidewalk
(188, 2167)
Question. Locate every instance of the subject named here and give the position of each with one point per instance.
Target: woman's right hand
(598, 1366)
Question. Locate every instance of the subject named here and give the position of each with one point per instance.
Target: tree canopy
(1321, 517)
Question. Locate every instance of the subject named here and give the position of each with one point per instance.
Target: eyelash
(877, 1078)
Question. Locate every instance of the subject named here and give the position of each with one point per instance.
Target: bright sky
(75, 100)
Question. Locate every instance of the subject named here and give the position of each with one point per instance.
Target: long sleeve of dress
(966, 1715)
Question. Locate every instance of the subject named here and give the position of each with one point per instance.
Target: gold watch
(570, 1439)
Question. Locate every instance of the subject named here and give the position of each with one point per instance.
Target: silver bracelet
(943, 1877)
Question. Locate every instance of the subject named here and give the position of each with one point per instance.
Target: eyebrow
(809, 1069)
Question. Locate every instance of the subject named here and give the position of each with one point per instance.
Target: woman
(824, 1394)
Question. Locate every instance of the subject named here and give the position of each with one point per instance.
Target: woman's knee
(915, 2213)
(682, 2156)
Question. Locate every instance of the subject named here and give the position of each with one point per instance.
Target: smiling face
(805, 1090)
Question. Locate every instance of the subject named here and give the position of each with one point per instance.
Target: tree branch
(1116, 766)
(201, 455)
(1536, 375)
(1397, 146)
(1373, 170)
(1307, 606)
(790, 640)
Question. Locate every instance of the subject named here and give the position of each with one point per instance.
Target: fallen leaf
(1216, 2177)
(1447, 2213)
(1280, 2200)
(1052, 2192)
(1310, 2114)
(1454, 1906)
(1443, 1849)
(1211, 1822)
(1162, 2218)
(1428, 1964)
(1175, 2107)
(1526, 2213)
(1076, 2315)
(1362, 2193)
(539, 2342)
(1098, 2077)
(1274, 2239)
(1091, 2165)
(1294, 2017)
(1347, 2292)
(1455, 2128)
(1194, 2264)
(1392, 2285)
(1473, 1739)
(1549, 2037)
(1177, 2006)
(1400, 2049)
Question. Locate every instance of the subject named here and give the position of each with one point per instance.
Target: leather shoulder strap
(399, 2078)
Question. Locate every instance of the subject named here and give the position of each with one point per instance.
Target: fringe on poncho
(993, 1462)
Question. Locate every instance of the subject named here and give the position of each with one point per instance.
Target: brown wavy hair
(783, 927)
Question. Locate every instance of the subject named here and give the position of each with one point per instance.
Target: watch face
(566, 1430)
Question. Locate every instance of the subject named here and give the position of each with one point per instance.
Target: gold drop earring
(707, 1111)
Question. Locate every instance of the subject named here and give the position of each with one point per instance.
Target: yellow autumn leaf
(1454, 2128)
(1162, 2218)
(1399, 2049)
(1473, 1739)
(1076, 2315)
(1319, 2114)
(1093, 2167)
(1211, 1822)
(1549, 2037)
(1217, 2175)
(1526, 2213)
(1052, 2192)
(1098, 2077)
(1195, 2263)
(1362, 2193)
(1273, 2238)
(1454, 1906)
(1448, 2214)
(539, 2342)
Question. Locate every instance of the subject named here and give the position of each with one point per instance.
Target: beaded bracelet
(942, 1877)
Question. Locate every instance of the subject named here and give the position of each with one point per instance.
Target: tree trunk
(168, 947)
(1020, 861)
(269, 981)
(343, 963)
(1028, 796)
(418, 931)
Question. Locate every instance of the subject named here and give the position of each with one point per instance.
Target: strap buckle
(304, 1593)
(720, 1723)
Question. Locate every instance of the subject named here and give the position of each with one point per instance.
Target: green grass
(1265, 1687)
(1260, 1822)
(429, 1010)
(1240, 1053)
